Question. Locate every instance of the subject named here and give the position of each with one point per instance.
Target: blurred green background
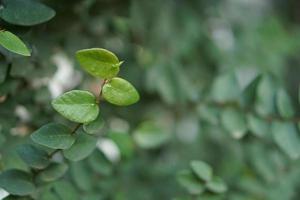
(218, 82)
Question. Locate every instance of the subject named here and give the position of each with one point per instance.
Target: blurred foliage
(218, 82)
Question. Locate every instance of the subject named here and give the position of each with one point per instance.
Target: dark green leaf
(95, 126)
(25, 12)
(77, 105)
(33, 156)
(65, 191)
(120, 92)
(16, 182)
(54, 135)
(12, 43)
(53, 172)
(83, 147)
(99, 62)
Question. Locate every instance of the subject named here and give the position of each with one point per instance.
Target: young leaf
(53, 172)
(54, 135)
(216, 185)
(99, 62)
(83, 147)
(12, 43)
(33, 156)
(187, 180)
(284, 104)
(77, 105)
(286, 137)
(95, 126)
(16, 182)
(25, 12)
(120, 92)
(202, 170)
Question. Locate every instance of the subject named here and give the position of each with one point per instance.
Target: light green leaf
(148, 135)
(53, 135)
(286, 137)
(33, 156)
(12, 43)
(77, 105)
(53, 172)
(234, 122)
(216, 185)
(99, 62)
(120, 92)
(202, 170)
(25, 12)
(95, 126)
(16, 182)
(284, 104)
(83, 147)
(187, 180)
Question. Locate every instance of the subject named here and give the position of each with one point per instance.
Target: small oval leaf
(53, 172)
(25, 12)
(13, 43)
(120, 92)
(16, 182)
(202, 170)
(77, 105)
(33, 156)
(83, 147)
(54, 135)
(99, 62)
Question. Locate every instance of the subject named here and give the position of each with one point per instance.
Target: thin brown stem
(100, 93)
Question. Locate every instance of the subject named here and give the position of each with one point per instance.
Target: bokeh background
(218, 82)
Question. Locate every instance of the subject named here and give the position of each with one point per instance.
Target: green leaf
(265, 96)
(187, 180)
(120, 92)
(12, 43)
(284, 104)
(258, 126)
(216, 185)
(3, 71)
(83, 147)
(82, 175)
(234, 122)
(25, 12)
(16, 182)
(54, 135)
(33, 156)
(99, 62)
(124, 143)
(65, 191)
(149, 135)
(286, 137)
(77, 105)
(95, 126)
(202, 170)
(99, 163)
(53, 172)
(226, 88)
